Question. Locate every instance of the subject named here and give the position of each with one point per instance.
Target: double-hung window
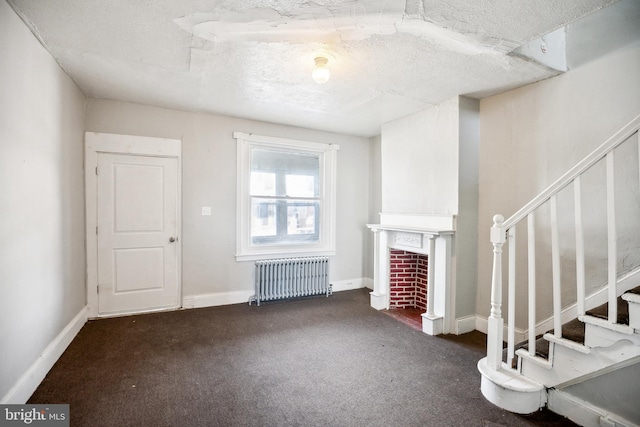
(286, 197)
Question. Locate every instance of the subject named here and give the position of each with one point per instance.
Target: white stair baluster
(532, 281)
(555, 265)
(511, 311)
(612, 240)
(580, 278)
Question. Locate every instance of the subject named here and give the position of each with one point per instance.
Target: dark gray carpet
(317, 362)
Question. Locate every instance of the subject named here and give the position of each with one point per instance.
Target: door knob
(172, 239)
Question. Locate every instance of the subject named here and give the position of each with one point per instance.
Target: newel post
(496, 323)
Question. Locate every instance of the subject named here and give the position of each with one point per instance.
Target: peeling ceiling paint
(253, 58)
(327, 25)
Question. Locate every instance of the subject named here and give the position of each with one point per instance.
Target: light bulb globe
(321, 72)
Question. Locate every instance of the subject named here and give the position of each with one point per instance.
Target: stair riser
(634, 315)
(596, 336)
(569, 364)
(581, 412)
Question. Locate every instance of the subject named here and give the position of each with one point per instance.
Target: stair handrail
(503, 231)
(596, 155)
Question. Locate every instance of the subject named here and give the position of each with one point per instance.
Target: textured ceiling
(253, 59)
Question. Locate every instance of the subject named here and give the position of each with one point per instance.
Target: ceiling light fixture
(321, 73)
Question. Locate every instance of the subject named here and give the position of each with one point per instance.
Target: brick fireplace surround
(398, 239)
(407, 279)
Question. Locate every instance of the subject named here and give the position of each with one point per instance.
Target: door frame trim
(96, 143)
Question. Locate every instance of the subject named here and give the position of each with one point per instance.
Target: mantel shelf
(404, 229)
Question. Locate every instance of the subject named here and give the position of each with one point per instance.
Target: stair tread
(635, 290)
(542, 349)
(574, 331)
(603, 311)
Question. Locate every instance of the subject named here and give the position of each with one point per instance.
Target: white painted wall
(532, 135)
(375, 198)
(419, 161)
(42, 255)
(466, 238)
(430, 166)
(209, 179)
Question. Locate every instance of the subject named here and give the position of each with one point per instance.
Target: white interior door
(137, 226)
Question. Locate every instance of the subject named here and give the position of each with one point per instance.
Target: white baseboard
(465, 324)
(625, 283)
(628, 281)
(583, 413)
(237, 297)
(216, 298)
(481, 325)
(31, 379)
(347, 285)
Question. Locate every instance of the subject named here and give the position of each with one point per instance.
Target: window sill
(282, 254)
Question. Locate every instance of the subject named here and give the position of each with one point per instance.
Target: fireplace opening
(407, 286)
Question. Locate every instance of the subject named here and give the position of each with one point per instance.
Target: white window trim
(244, 250)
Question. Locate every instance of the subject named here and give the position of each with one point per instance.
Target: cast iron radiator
(291, 278)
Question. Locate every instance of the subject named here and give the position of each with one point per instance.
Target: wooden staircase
(586, 338)
(588, 344)
(574, 330)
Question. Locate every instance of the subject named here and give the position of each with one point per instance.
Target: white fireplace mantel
(431, 235)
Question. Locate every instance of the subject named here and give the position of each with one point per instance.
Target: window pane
(286, 197)
(301, 186)
(263, 218)
(284, 163)
(263, 184)
(302, 218)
